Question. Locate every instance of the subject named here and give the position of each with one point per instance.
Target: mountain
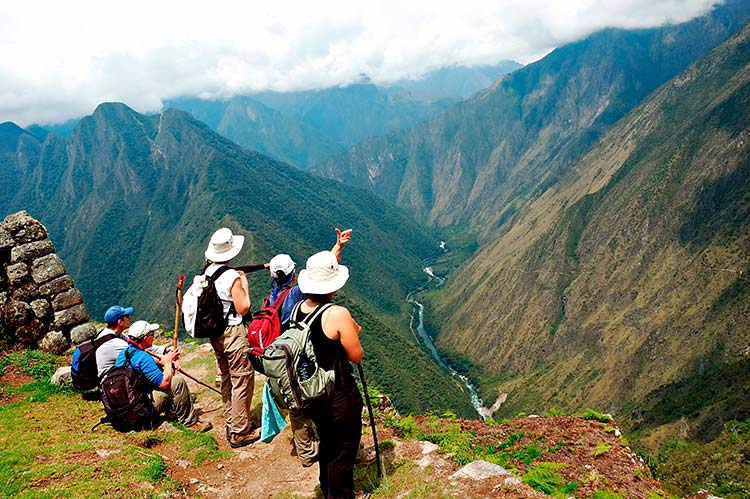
(352, 113)
(624, 286)
(483, 158)
(130, 201)
(254, 126)
(453, 81)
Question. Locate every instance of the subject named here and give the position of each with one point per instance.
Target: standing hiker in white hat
(335, 338)
(283, 275)
(230, 347)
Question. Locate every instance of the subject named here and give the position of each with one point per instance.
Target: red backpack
(266, 325)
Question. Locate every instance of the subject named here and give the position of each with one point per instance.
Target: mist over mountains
(604, 192)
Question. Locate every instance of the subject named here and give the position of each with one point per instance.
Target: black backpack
(210, 319)
(127, 401)
(83, 369)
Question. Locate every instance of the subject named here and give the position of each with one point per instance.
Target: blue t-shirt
(294, 297)
(142, 363)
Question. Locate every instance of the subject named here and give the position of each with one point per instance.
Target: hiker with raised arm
(284, 288)
(167, 389)
(335, 338)
(230, 344)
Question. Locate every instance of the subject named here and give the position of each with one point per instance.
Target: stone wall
(39, 305)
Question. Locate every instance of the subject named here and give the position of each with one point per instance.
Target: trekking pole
(372, 419)
(181, 370)
(177, 309)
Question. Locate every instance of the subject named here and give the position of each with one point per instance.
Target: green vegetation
(723, 467)
(545, 478)
(607, 494)
(47, 448)
(601, 448)
(596, 416)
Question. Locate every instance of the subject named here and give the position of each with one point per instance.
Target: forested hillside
(131, 200)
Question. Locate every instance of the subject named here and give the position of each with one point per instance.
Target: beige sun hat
(139, 329)
(224, 246)
(281, 262)
(322, 274)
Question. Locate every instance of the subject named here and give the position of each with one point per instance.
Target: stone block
(81, 333)
(6, 242)
(27, 292)
(30, 251)
(56, 286)
(33, 231)
(3, 298)
(479, 470)
(62, 376)
(71, 317)
(31, 332)
(54, 342)
(66, 299)
(17, 273)
(16, 221)
(16, 313)
(41, 308)
(46, 268)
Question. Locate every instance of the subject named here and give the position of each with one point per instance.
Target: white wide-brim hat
(139, 329)
(224, 246)
(281, 262)
(322, 274)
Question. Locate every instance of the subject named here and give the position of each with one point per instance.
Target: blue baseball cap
(115, 312)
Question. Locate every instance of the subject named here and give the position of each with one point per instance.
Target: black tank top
(330, 353)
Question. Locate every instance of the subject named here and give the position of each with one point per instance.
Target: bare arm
(338, 324)
(342, 237)
(241, 294)
(167, 361)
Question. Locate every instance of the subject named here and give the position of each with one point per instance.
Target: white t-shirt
(224, 290)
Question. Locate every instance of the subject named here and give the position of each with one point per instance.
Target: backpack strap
(101, 341)
(212, 278)
(278, 301)
(311, 317)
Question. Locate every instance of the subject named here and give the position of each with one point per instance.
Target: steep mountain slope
(130, 201)
(254, 126)
(625, 285)
(479, 161)
(453, 81)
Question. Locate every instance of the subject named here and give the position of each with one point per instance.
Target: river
(421, 335)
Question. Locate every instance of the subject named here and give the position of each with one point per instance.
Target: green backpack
(292, 369)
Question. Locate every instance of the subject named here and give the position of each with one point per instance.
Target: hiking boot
(200, 427)
(248, 438)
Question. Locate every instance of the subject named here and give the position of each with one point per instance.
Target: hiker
(335, 338)
(283, 276)
(170, 394)
(117, 319)
(231, 346)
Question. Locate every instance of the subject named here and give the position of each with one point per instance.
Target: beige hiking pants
(305, 439)
(237, 378)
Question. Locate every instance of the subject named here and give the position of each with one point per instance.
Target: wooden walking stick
(372, 419)
(181, 370)
(177, 310)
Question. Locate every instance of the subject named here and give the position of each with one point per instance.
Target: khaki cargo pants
(237, 378)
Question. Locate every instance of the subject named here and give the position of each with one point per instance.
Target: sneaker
(200, 427)
(236, 440)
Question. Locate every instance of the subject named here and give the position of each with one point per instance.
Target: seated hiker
(283, 274)
(117, 319)
(169, 391)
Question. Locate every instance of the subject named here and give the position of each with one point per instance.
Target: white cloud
(58, 60)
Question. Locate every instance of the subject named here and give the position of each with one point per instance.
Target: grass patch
(546, 478)
(37, 364)
(593, 415)
(607, 494)
(601, 449)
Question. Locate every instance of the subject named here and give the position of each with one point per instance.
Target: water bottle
(305, 368)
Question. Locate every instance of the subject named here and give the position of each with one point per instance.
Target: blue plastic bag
(273, 421)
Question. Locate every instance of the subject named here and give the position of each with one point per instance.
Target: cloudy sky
(59, 59)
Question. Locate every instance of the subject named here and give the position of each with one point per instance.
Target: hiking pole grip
(372, 419)
(177, 310)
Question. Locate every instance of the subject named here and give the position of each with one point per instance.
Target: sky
(60, 59)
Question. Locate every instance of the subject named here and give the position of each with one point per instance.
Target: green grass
(48, 449)
(546, 478)
(593, 415)
(601, 449)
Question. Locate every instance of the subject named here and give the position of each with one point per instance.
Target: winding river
(421, 335)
